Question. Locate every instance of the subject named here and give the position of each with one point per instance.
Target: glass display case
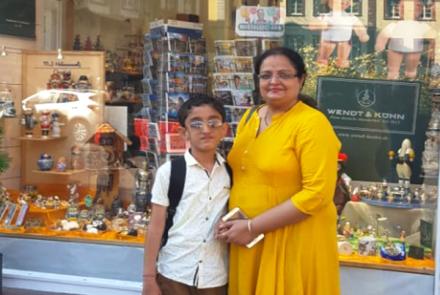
(93, 121)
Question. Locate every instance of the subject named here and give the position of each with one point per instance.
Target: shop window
(393, 9)
(425, 10)
(295, 8)
(353, 7)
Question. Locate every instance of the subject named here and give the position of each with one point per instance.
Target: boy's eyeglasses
(212, 124)
(279, 76)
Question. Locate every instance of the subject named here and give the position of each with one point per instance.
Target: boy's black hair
(197, 100)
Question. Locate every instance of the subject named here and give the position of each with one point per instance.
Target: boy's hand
(150, 286)
(220, 228)
(237, 232)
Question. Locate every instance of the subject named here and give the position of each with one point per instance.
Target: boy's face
(204, 128)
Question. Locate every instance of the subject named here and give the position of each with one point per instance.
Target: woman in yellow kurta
(284, 167)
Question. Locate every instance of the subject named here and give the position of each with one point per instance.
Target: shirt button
(206, 218)
(210, 198)
(200, 261)
(204, 241)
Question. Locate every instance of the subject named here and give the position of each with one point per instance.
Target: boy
(191, 261)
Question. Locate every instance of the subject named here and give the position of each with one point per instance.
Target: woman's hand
(235, 231)
(150, 286)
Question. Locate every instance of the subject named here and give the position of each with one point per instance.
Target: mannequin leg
(343, 53)
(412, 61)
(325, 50)
(394, 61)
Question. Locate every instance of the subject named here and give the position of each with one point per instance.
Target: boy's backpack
(175, 190)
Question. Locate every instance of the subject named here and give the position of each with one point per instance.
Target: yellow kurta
(294, 158)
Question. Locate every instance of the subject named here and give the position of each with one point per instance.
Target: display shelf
(39, 138)
(411, 265)
(400, 205)
(59, 173)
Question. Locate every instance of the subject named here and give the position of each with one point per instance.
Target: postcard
(224, 64)
(246, 47)
(225, 96)
(175, 143)
(198, 46)
(244, 64)
(222, 81)
(178, 43)
(242, 98)
(174, 101)
(242, 81)
(267, 44)
(234, 113)
(224, 47)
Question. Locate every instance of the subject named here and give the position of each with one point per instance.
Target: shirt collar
(190, 160)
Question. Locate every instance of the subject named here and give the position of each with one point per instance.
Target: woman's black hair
(295, 59)
(197, 100)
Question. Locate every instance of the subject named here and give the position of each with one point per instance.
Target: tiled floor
(7, 291)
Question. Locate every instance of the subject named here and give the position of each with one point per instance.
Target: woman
(284, 162)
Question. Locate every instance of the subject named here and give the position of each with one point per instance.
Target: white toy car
(81, 111)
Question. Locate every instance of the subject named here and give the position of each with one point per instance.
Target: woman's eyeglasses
(279, 76)
(212, 124)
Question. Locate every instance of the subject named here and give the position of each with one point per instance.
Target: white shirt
(192, 255)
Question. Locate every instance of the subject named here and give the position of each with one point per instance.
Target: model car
(79, 108)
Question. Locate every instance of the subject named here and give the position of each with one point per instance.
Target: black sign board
(372, 117)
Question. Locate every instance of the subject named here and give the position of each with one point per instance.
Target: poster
(371, 118)
(258, 21)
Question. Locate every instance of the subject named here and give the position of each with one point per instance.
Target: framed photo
(245, 47)
(224, 47)
(175, 143)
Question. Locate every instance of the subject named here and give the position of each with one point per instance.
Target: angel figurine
(405, 155)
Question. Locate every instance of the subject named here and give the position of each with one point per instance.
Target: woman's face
(279, 85)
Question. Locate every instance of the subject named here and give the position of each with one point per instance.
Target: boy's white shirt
(192, 255)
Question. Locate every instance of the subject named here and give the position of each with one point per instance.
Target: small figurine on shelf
(83, 84)
(405, 155)
(77, 42)
(61, 165)
(45, 163)
(55, 81)
(76, 157)
(98, 44)
(56, 130)
(45, 123)
(29, 121)
(66, 83)
(342, 191)
(88, 44)
(73, 192)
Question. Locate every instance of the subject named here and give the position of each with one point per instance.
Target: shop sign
(256, 21)
(372, 117)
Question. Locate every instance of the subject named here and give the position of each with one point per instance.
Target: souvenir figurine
(56, 202)
(393, 251)
(73, 192)
(72, 212)
(56, 130)
(83, 84)
(76, 157)
(142, 191)
(61, 165)
(28, 121)
(116, 206)
(45, 123)
(55, 81)
(45, 163)
(367, 246)
(405, 155)
(66, 83)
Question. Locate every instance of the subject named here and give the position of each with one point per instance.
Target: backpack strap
(175, 190)
(229, 170)
(249, 115)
